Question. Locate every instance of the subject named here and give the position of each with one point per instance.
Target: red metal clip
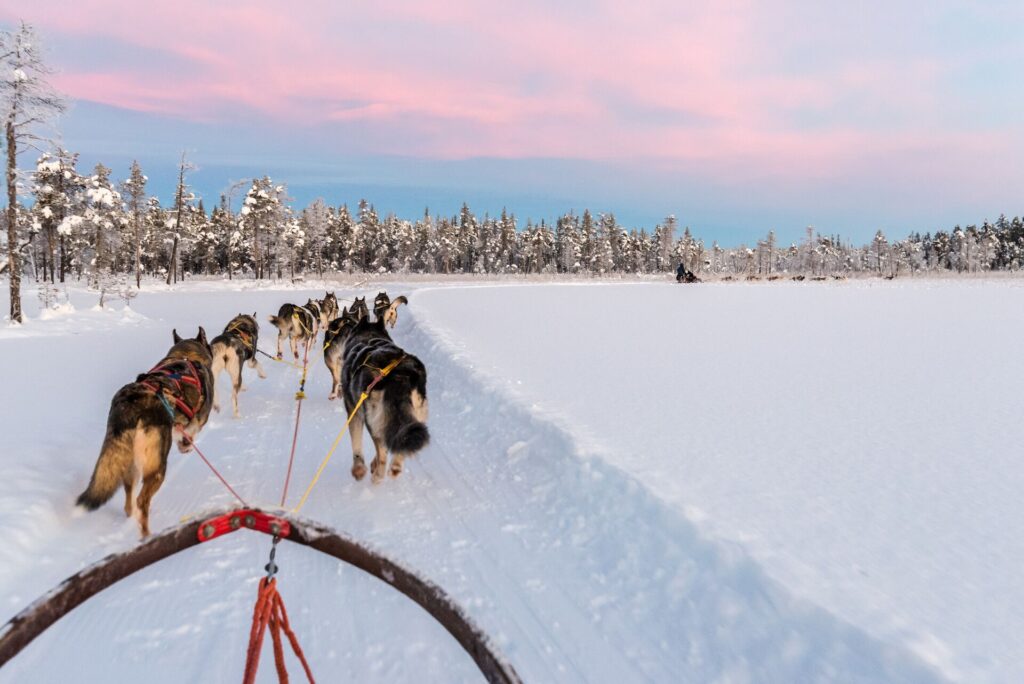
(247, 518)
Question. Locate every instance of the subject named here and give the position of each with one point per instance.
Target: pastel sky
(737, 117)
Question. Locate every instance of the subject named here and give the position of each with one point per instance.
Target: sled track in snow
(575, 570)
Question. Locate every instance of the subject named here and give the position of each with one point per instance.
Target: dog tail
(410, 437)
(113, 467)
(277, 321)
(407, 410)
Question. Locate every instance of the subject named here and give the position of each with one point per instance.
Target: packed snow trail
(577, 571)
(860, 439)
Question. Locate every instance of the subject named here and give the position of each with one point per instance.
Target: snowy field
(627, 482)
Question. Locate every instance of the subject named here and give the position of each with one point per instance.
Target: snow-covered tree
(27, 101)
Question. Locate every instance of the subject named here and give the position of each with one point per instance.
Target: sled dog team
(172, 401)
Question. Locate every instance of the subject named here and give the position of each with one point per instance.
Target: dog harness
(244, 336)
(167, 385)
(302, 323)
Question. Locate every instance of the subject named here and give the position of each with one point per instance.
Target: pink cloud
(458, 78)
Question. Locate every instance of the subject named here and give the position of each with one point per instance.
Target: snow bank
(860, 440)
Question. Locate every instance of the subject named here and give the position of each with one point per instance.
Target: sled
(75, 590)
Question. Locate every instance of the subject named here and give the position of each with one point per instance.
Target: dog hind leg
(356, 433)
(235, 371)
(334, 365)
(255, 363)
(396, 464)
(151, 454)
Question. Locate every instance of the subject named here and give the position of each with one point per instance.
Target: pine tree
(26, 101)
(134, 192)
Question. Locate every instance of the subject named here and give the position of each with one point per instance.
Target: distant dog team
(172, 401)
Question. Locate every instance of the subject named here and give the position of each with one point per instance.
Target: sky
(736, 117)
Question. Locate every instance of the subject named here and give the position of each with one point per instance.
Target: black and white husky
(384, 308)
(358, 352)
(296, 323)
(232, 348)
(141, 426)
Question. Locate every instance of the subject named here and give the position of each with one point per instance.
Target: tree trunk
(13, 258)
(50, 248)
(138, 252)
(172, 268)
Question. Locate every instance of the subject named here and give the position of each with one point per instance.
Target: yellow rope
(383, 373)
(287, 363)
(298, 319)
(330, 452)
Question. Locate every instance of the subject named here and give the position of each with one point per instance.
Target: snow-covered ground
(784, 482)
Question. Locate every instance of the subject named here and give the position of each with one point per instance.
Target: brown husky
(296, 323)
(233, 347)
(171, 401)
(328, 308)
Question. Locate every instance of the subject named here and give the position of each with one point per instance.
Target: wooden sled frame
(75, 590)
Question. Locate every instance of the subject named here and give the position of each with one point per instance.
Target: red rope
(299, 396)
(210, 466)
(270, 612)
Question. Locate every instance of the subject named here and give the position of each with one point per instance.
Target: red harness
(165, 372)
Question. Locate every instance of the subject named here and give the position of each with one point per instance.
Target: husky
(141, 425)
(384, 308)
(333, 347)
(233, 347)
(359, 308)
(328, 308)
(296, 322)
(396, 411)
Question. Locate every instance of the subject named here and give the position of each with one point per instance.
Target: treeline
(88, 226)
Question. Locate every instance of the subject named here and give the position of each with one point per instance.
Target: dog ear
(177, 337)
(202, 335)
(254, 314)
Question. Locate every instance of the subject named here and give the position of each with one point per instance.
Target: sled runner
(31, 622)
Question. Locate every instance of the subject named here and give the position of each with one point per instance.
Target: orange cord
(270, 612)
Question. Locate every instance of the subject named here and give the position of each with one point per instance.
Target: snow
(68, 224)
(626, 483)
(857, 440)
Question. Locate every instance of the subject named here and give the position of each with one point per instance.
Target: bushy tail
(406, 433)
(409, 438)
(277, 321)
(112, 468)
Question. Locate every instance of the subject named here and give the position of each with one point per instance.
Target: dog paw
(378, 468)
(396, 469)
(359, 469)
(332, 396)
